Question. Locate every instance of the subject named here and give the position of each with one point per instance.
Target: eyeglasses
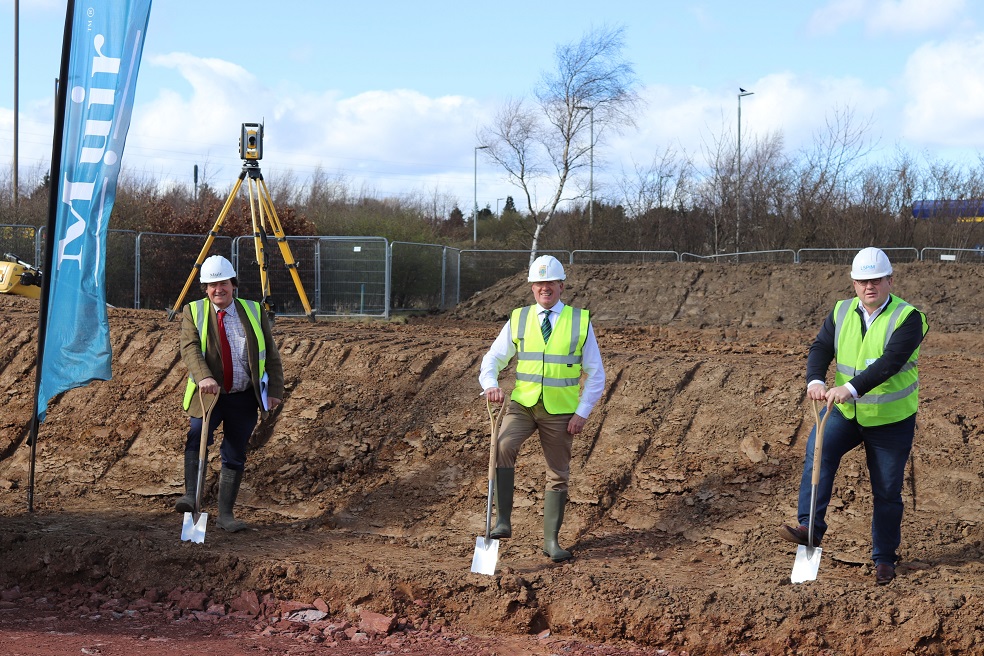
(874, 282)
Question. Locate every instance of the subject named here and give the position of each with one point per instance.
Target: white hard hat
(216, 269)
(870, 263)
(546, 268)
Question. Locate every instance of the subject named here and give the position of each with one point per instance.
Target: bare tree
(664, 182)
(827, 168)
(542, 143)
(766, 192)
(716, 191)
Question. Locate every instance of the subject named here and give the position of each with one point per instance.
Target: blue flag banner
(106, 45)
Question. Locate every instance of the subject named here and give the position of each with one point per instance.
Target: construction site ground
(366, 491)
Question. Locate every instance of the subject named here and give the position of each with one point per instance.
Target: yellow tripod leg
(288, 256)
(208, 245)
(259, 245)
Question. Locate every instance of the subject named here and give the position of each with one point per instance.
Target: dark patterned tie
(545, 327)
(226, 353)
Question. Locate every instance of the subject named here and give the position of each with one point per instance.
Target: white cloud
(392, 139)
(830, 17)
(945, 86)
(696, 120)
(888, 16)
(913, 16)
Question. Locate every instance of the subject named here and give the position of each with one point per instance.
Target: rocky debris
(273, 618)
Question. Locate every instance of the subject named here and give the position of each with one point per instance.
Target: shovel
(487, 549)
(193, 528)
(807, 562)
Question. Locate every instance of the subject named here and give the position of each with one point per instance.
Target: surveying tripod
(251, 173)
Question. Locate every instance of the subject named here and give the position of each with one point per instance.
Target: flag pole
(54, 184)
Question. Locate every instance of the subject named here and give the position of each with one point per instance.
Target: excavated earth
(365, 493)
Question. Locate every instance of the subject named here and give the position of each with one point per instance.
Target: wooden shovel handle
(494, 421)
(818, 440)
(206, 419)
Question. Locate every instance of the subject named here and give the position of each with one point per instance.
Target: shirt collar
(555, 309)
(870, 316)
(230, 310)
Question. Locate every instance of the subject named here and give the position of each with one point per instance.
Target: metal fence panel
(163, 264)
(846, 255)
(452, 281)
(480, 269)
(284, 296)
(120, 264)
(965, 255)
(622, 257)
(418, 276)
(20, 241)
(121, 267)
(779, 256)
(355, 276)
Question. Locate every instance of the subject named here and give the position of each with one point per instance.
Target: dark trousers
(886, 450)
(237, 412)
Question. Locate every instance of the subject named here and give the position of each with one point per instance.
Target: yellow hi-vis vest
(200, 313)
(898, 397)
(552, 370)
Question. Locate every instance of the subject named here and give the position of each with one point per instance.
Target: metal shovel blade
(194, 531)
(486, 556)
(806, 565)
(193, 527)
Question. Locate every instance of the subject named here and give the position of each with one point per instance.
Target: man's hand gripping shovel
(193, 528)
(807, 562)
(487, 549)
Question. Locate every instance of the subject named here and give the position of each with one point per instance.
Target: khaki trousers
(519, 424)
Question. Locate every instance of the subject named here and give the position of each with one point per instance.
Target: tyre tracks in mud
(369, 486)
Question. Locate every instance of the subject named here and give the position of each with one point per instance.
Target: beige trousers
(519, 424)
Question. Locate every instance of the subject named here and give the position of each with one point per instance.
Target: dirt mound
(740, 296)
(368, 489)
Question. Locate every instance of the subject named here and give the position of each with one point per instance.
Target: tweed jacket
(209, 364)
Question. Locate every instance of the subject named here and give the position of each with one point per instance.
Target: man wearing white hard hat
(874, 340)
(229, 350)
(555, 344)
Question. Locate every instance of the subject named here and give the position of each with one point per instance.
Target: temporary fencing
(370, 276)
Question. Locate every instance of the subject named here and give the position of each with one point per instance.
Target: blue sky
(389, 95)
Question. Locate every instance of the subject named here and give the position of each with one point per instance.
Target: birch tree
(542, 142)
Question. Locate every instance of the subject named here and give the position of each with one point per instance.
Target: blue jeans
(238, 413)
(886, 450)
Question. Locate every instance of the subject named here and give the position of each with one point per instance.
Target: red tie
(226, 353)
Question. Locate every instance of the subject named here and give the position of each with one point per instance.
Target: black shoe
(799, 535)
(884, 573)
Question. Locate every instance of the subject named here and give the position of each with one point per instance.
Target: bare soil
(366, 491)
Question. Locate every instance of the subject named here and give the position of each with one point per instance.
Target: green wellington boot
(505, 478)
(553, 516)
(187, 502)
(229, 481)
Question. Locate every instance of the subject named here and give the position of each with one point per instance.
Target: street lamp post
(741, 94)
(475, 215)
(591, 169)
(16, 97)
(497, 207)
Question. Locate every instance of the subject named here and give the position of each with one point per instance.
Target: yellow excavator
(19, 277)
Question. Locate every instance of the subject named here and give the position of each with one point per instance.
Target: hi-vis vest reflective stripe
(199, 314)
(896, 398)
(551, 370)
